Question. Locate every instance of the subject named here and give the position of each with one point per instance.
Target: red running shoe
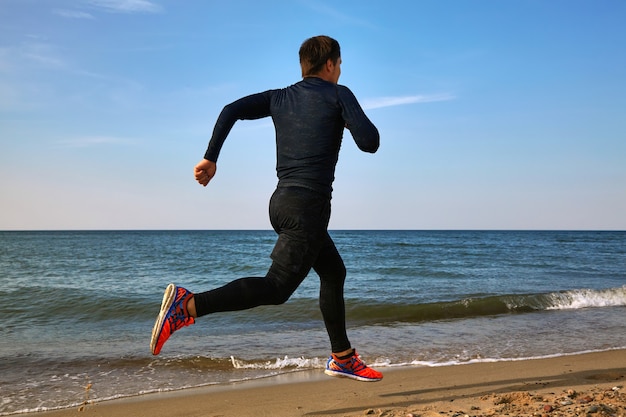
(352, 367)
(173, 316)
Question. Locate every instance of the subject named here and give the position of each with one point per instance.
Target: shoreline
(523, 387)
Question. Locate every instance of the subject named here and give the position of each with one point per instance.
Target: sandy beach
(578, 385)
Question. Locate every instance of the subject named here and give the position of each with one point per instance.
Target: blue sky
(492, 114)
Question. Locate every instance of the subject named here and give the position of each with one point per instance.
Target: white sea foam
(284, 363)
(493, 360)
(585, 298)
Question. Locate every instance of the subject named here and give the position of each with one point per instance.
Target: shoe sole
(166, 304)
(351, 376)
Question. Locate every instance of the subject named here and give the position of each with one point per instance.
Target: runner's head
(321, 56)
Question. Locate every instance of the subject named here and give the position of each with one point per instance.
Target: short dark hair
(316, 51)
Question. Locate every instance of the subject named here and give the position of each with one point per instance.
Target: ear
(330, 65)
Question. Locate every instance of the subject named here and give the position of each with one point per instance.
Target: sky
(493, 114)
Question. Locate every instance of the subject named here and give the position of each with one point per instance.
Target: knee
(342, 274)
(336, 277)
(280, 297)
(280, 293)
(282, 287)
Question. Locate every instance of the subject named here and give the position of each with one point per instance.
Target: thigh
(300, 217)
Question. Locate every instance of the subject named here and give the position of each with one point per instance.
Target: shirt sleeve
(363, 131)
(255, 106)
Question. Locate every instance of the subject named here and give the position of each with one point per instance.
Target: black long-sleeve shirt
(309, 118)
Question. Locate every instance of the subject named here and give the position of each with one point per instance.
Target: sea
(78, 307)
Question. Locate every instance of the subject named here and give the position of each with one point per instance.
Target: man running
(309, 118)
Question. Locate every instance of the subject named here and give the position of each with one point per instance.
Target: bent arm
(363, 131)
(251, 107)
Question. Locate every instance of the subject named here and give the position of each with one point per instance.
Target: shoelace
(356, 364)
(178, 318)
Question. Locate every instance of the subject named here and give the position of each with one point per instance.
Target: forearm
(222, 128)
(363, 131)
(365, 135)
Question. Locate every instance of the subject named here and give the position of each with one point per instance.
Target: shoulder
(343, 88)
(344, 92)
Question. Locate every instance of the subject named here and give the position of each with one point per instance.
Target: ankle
(191, 307)
(344, 355)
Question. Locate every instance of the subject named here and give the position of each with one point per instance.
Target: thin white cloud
(43, 54)
(380, 102)
(127, 6)
(73, 14)
(19, 92)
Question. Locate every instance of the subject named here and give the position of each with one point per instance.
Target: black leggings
(300, 217)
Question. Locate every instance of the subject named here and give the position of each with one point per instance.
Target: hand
(204, 171)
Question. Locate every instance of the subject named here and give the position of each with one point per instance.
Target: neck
(320, 76)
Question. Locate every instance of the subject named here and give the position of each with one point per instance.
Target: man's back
(309, 117)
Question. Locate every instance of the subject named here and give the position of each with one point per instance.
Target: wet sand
(590, 384)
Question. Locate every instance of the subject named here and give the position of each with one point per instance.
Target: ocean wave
(92, 307)
(381, 313)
